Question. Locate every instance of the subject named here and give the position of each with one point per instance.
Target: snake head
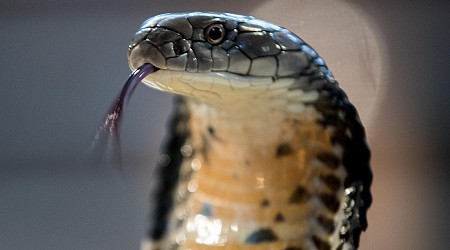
(219, 42)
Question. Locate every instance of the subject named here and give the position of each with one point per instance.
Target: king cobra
(264, 149)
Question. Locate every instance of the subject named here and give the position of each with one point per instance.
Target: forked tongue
(114, 116)
(106, 139)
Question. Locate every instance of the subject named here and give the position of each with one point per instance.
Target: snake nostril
(168, 50)
(181, 46)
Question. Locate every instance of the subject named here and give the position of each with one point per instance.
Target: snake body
(264, 149)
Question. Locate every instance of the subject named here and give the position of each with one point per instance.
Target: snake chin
(215, 85)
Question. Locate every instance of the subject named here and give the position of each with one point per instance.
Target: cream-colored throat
(257, 171)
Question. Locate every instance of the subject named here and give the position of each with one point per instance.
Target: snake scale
(264, 149)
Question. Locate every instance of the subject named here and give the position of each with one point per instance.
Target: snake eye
(215, 33)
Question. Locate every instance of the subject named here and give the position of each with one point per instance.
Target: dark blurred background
(63, 62)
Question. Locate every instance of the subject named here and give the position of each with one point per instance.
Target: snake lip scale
(264, 150)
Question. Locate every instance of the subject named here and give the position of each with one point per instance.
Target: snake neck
(257, 173)
(253, 117)
(233, 127)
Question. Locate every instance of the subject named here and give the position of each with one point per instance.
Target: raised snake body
(264, 151)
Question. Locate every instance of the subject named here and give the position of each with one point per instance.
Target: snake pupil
(215, 33)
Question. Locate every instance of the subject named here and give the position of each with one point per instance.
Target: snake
(263, 150)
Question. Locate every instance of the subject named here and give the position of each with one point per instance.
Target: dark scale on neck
(327, 224)
(279, 217)
(321, 244)
(211, 131)
(299, 195)
(261, 235)
(330, 201)
(284, 149)
(331, 180)
(265, 203)
(329, 159)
